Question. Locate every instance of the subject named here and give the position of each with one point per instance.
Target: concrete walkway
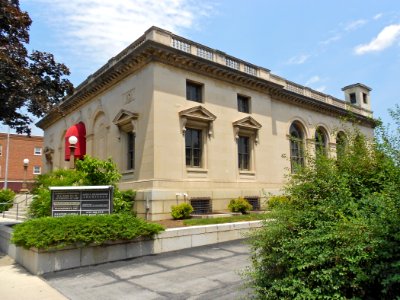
(17, 283)
(208, 272)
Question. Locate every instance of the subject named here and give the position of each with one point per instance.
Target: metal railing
(16, 205)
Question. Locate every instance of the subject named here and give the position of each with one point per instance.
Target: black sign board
(81, 200)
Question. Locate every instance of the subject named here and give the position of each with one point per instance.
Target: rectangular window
(353, 99)
(365, 98)
(37, 170)
(243, 103)
(37, 151)
(193, 147)
(194, 91)
(244, 153)
(130, 151)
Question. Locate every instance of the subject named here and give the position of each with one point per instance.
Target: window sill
(197, 170)
(248, 173)
(128, 172)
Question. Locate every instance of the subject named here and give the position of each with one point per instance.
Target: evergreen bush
(6, 198)
(56, 233)
(181, 211)
(239, 205)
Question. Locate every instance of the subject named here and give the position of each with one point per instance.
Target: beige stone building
(184, 122)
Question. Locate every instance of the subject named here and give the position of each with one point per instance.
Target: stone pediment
(198, 113)
(126, 120)
(247, 123)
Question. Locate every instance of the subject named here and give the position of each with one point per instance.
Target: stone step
(23, 201)
(13, 216)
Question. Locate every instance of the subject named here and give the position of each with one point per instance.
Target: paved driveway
(210, 272)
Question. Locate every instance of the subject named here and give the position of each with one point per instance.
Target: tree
(31, 83)
(337, 236)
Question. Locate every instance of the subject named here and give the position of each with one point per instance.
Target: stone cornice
(149, 49)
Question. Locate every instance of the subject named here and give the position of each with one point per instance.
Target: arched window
(296, 146)
(341, 144)
(321, 141)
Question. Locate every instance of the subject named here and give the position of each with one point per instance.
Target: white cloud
(298, 59)
(99, 29)
(321, 89)
(378, 16)
(312, 80)
(355, 25)
(332, 39)
(386, 38)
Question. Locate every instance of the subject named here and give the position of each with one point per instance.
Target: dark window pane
(130, 151)
(243, 153)
(243, 103)
(193, 147)
(296, 147)
(320, 142)
(193, 91)
(353, 99)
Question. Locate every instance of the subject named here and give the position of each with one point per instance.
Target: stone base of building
(155, 204)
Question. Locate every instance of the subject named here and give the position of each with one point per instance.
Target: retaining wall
(41, 262)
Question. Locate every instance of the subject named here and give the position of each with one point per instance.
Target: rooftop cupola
(358, 95)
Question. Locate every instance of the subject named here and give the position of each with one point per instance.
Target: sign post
(81, 200)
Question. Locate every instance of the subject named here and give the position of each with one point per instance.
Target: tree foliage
(89, 171)
(338, 236)
(32, 82)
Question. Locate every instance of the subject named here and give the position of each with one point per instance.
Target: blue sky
(325, 45)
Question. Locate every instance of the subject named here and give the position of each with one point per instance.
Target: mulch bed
(170, 223)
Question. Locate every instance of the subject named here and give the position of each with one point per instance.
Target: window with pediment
(127, 124)
(246, 135)
(196, 126)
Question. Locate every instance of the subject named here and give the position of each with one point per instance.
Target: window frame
(34, 170)
(244, 108)
(244, 157)
(321, 141)
(37, 153)
(297, 147)
(200, 149)
(130, 150)
(353, 98)
(199, 91)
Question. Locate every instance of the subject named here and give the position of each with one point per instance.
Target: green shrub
(45, 233)
(239, 205)
(123, 201)
(98, 172)
(277, 200)
(89, 171)
(181, 211)
(7, 197)
(338, 236)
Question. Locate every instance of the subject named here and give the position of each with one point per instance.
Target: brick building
(19, 148)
